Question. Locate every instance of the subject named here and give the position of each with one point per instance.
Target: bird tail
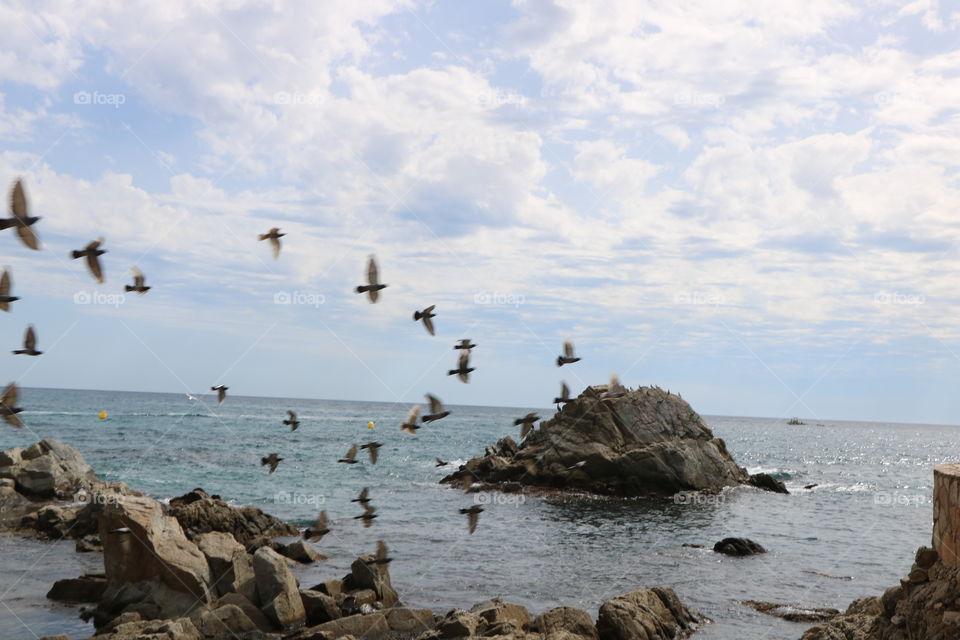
(417, 315)
(76, 254)
(18, 351)
(6, 224)
(264, 461)
(128, 287)
(264, 236)
(452, 372)
(559, 361)
(363, 288)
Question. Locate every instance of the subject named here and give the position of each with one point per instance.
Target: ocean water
(864, 520)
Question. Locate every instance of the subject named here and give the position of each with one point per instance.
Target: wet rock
(277, 589)
(647, 614)
(767, 482)
(738, 547)
(87, 588)
(790, 612)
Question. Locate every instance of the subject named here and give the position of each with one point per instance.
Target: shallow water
(871, 510)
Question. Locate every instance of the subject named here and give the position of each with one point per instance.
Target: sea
(851, 535)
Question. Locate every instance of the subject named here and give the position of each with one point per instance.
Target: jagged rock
(331, 587)
(302, 552)
(458, 624)
(403, 620)
(86, 588)
(319, 607)
(179, 629)
(54, 522)
(200, 513)
(368, 626)
(576, 622)
(494, 611)
(371, 576)
(767, 482)
(647, 614)
(646, 443)
(249, 609)
(225, 622)
(790, 612)
(277, 589)
(46, 469)
(230, 567)
(738, 547)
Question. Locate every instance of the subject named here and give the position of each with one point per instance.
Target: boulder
(88, 544)
(495, 611)
(791, 612)
(228, 621)
(403, 620)
(376, 577)
(230, 567)
(647, 614)
(738, 547)
(576, 622)
(302, 552)
(319, 607)
(198, 513)
(458, 624)
(86, 588)
(179, 629)
(277, 589)
(367, 626)
(767, 482)
(47, 469)
(249, 609)
(647, 442)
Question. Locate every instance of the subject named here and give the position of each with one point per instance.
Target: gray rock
(577, 622)
(230, 567)
(647, 614)
(302, 552)
(319, 607)
(277, 589)
(47, 469)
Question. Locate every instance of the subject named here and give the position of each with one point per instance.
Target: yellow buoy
(370, 425)
(102, 415)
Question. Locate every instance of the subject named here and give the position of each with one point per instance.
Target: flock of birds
(23, 225)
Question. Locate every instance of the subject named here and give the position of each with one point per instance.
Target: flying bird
(20, 219)
(410, 424)
(614, 389)
(463, 367)
(318, 530)
(473, 514)
(381, 556)
(273, 460)
(221, 392)
(564, 394)
(527, 422)
(464, 344)
(373, 448)
(436, 409)
(273, 236)
(138, 282)
(5, 297)
(427, 316)
(29, 343)
(372, 288)
(364, 497)
(441, 463)
(567, 357)
(8, 406)
(292, 420)
(368, 515)
(351, 457)
(92, 253)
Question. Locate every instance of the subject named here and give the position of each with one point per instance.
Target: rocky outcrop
(791, 612)
(199, 513)
(277, 589)
(86, 588)
(647, 614)
(46, 469)
(647, 442)
(767, 482)
(738, 547)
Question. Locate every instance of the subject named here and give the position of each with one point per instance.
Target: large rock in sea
(199, 513)
(46, 469)
(647, 614)
(648, 442)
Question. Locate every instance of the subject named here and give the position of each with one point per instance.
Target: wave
(779, 474)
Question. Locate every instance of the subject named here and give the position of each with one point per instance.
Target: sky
(752, 204)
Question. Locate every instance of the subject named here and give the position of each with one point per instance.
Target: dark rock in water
(647, 613)
(790, 612)
(200, 513)
(646, 443)
(692, 546)
(738, 547)
(811, 486)
(767, 482)
(87, 588)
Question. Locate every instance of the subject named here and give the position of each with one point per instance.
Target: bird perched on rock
(369, 513)
(436, 409)
(221, 392)
(138, 282)
(8, 406)
(473, 514)
(410, 424)
(318, 530)
(427, 316)
(351, 457)
(29, 343)
(463, 367)
(614, 389)
(92, 253)
(441, 463)
(363, 498)
(373, 448)
(5, 284)
(291, 420)
(527, 423)
(381, 557)
(273, 460)
(22, 222)
(372, 288)
(464, 344)
(567, 357)
(273, 236)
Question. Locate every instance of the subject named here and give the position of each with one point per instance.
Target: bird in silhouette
(567, 357)
(436, 409)
(138, 282)
(564, 394)
(351, 457)
(364, 497)
(291, 420)
(5, 284)
(410, 424)
(221, 392)
(427, 316)
(527, 423)
(318, 530)
(372, 288)
(92, 253)
(441, 463)
(380, 557)
(373, 448)
(463, 367)
(29, 343)
(369, 513)
(22, 222)
(273, 236)
(8, 406)
(273, 460)
(614, 389)
(473, 514)
(464, 344)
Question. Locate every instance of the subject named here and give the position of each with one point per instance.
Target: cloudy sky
(754, 204)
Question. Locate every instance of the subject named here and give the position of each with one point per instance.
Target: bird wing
(381, 549)
(321, 522)
(93, 263)
(30, 340)
(414, 415)
(275, 245)
(93, 246)
(435, 405)
(291, 415)
(374, 454)
(527, 428)
(138, 279)
(428, 323)
(5, 283)
(10, 395)
(472, 518)
(28, 236)
(463, 362)
(372, 272)
(18, 200)
(352, 453)
(439, 461)
(429, 309)
(368, 510)
(564, 390)
(568, 349)
(363, 494)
